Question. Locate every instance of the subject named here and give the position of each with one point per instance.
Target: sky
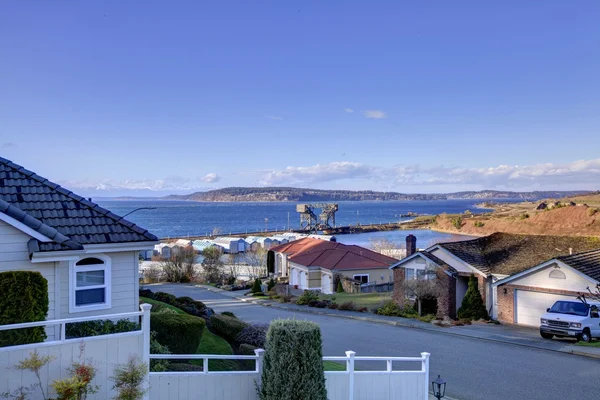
(156, 97)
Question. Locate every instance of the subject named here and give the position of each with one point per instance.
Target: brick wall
(446, 302)
(481, 285)
(506, 306)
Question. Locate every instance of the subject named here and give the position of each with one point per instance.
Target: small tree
(270, 284)
(256, 262)
(256, 286)
(129, 379)
(385, 247)
(340, 287)
(472, 306)
(293, 364)
(427, 286)
(212, 265)
(180, 266)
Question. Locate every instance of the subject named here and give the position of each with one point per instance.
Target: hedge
(181, 333)
(99, 327)
(227, 327)
(185, 303)
(293, 363)
(23, 298)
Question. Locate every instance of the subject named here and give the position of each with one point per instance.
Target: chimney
(411, 245)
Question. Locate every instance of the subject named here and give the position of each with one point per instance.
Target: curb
(266, 303)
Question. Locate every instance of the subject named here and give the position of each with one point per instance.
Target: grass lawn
(369, 300)
(209, 344)
(334, 366)
(595, 343)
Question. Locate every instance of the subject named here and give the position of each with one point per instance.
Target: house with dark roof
(523, 297)
(88, 254)
(311, 263)
(490, 258)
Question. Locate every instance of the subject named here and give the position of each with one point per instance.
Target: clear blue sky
(385, 95)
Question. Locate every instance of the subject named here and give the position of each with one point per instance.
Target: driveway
(475, 369)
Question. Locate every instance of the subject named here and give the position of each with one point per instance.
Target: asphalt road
(475, 369)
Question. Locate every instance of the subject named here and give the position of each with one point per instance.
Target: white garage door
(529, 306)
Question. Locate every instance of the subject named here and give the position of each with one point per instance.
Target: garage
(326, 283)
(529, 306)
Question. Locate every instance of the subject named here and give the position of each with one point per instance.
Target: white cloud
(375, 114)
(581, 174)
(274, 117)
(211, 178)
(349, 110)
(317, 173)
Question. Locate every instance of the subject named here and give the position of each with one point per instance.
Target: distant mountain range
(238, 194)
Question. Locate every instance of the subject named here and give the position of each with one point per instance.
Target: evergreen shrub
(227, 327)
(256, 286)
(181, 333)
(340, 287)
(99, 327)
(472, 306)
(307, 297)
(293, 365)
(23, 298)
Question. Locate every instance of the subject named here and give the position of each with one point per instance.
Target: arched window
(90, 284)
(557, 274)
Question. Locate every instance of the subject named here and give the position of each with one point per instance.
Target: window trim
(73, 269)
(367, 275)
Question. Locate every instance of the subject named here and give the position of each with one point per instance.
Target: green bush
(347, 306)
(307, 297)
(247, 349)
(478, 224)
(23, 298)
(157, 365)
(472, 306)
(270, 284)
(100, 327)
(229, 314)
(165, 298)
(340, 287)
(524, 216)
(392, 309)
(426, 318)
(256, 286)
(227, 327)
(181, 333)
(457, 222)
(293, 365)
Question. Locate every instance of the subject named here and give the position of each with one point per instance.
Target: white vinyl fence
(106, 351)
(103, 352)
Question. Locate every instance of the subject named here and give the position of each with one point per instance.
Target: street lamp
(138, 209)
(439, 388)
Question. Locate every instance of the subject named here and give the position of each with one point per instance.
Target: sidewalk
(519, 336)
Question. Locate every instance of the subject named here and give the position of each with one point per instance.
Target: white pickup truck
(571, 319)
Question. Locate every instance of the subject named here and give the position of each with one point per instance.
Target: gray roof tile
(68, 219)
(587, 263)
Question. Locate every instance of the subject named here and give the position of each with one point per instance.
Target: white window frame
(73, 269)
(367, 275)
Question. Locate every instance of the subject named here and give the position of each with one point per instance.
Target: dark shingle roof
(59, 214)
(587, 263)
(507, 253)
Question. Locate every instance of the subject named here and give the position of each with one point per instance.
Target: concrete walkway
(519, 336)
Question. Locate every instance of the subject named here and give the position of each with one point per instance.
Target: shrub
(185, 300)
(347, 306)
(426, 318)
(229, 314)
(286, 298)
(146, 293)
(457, 222)
(363, 309)
(255, 335)
(183, 367)
(478, 224)
(129, 379)
(333, 306)
(472, 306)
(247, 349)
(100, 327)
(313, 303)
(181, 333)
(293, 365)
(524, 216)
(307, 297)
(256, 287)
(165, 298)
(270, 284)
(24, 298)
(227, 327)
(165, 310)
(340, 287)
(391, 309)
(157, 348)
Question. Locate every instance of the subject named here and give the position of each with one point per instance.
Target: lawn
(595, 343)
(209, 344)
(369, 300)
(334, 366)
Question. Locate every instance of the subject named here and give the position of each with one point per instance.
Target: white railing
(257, 357)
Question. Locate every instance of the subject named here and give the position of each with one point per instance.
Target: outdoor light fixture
(505, 290)
(439, 388)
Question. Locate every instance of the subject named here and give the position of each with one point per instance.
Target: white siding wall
(450, 260)
(125, 283)
(575, 282)
(15, 256)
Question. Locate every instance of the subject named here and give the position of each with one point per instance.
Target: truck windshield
(570, 307)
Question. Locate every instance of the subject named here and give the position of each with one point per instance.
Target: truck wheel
(546, 335)
(585, 336)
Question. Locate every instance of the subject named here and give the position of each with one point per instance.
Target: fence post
(425, 369)
(146, 344)
(350, 369)
(63, 331)
(260, 356)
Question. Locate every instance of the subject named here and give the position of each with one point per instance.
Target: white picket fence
(106, 351)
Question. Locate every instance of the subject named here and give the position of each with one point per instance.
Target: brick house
(490, 258)
(522, 298)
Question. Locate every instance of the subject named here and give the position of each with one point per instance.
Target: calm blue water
(183, 218)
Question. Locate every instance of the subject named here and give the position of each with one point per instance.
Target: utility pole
(266, 224)
(288, 221)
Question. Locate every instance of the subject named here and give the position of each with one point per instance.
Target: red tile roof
(311, 252)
